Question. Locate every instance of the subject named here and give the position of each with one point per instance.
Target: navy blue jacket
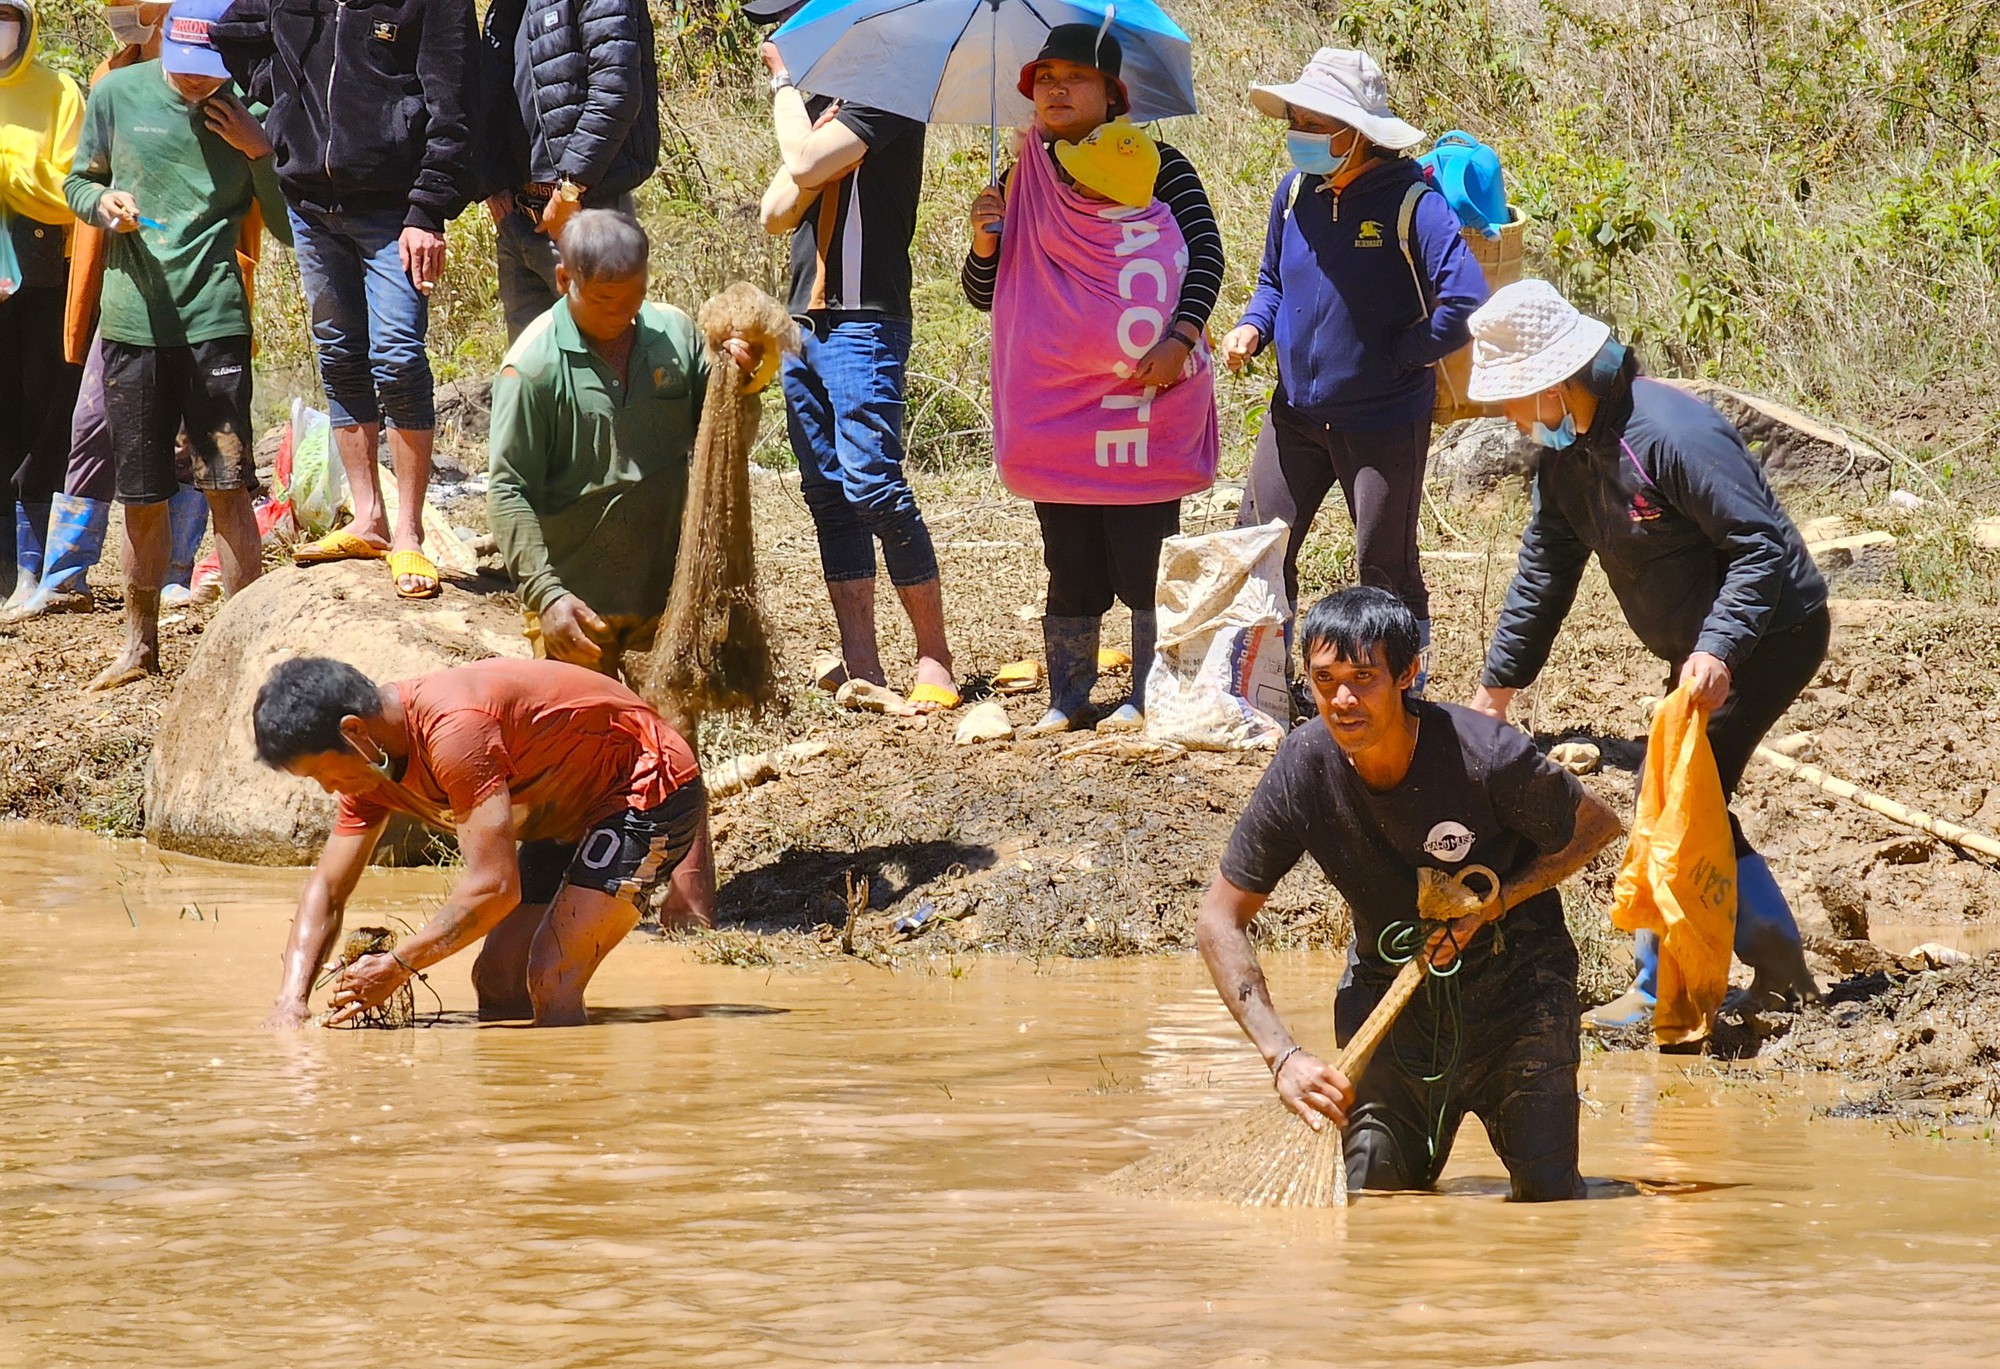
(1677, 510)
(1335, 294)
(587, 106)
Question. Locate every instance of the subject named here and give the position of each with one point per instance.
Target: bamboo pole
(1962, 837)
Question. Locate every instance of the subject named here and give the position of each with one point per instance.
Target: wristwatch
(781, 80)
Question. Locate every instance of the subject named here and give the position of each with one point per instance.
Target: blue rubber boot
(31, 525)
(187, 513)
(1634, 1007)
(1767, 936)
(75, 541)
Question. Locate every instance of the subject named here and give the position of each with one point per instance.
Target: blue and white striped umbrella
(955, 61)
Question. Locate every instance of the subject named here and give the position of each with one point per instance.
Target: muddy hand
(1445, 896)
(1313, 1089)
(365, 984)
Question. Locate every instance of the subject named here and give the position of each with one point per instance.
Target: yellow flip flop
(413, 563)
(1017, 677)
(930, 698)
(339, 545)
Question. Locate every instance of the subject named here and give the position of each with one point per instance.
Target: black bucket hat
(1087, 45)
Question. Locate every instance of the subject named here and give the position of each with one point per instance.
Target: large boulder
(1478, 455)
(205, 792)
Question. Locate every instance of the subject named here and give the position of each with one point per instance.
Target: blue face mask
(1311, 153)
(1558, 437)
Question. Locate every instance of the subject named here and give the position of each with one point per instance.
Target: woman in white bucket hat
(1364, 283)
(1709, 570)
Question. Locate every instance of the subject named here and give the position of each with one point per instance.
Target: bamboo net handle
(1354, 1055)
(1962, 837)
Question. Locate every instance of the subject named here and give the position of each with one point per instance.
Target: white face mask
(127, 28)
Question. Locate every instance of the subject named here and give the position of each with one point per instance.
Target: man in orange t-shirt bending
(603, 797)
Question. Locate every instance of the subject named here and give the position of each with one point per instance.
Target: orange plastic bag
(1679, 875)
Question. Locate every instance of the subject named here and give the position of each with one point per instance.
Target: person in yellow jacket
(41, 111)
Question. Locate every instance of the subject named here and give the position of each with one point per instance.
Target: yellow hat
(1117, 160)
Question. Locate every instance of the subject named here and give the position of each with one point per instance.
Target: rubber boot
(1071, 644)
(76, 540)
(1131, 715)
(1416, 690)
(31, 524)
(187, 513)
(1634, 1007)
(1767, 937)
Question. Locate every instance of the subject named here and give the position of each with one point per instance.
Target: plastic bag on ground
(1217, 681)
(1679, 874)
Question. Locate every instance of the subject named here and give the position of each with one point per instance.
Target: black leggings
(1097, 551)
(1381, 473)
(1769, 680)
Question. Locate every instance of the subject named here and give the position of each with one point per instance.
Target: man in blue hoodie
(1365, 283)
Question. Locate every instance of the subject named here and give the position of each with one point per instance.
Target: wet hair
(604, 245)
(1353, 622)
(298, 711)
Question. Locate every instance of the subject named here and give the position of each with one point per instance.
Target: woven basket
(1500, 262)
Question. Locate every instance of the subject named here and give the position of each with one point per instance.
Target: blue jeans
(368, 320)
(844, 410)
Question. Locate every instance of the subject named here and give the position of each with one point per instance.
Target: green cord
(1398, 944)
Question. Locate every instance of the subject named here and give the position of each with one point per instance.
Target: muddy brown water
(851, 1166)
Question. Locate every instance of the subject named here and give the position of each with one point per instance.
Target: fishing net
(400, 1009)
(712, 653)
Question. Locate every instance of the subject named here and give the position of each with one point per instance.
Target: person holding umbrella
(847, 192)
(1075, 85)
(1709, 570)
(1365, 283)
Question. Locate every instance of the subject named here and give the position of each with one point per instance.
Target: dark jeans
(1381, 473)
(1515, 1042)
(1770, 678)
(37, 392)
(368, 320)
(844, 410)
(1096, 551)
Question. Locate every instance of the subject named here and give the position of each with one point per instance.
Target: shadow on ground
(806, 886)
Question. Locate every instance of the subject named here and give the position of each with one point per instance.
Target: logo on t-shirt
(1369, 234)
(1450, 841)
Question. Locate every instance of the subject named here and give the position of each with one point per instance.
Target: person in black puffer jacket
(569, 118)
(368, 102)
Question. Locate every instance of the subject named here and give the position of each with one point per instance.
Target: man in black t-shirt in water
(1383, 786)
(847, 192)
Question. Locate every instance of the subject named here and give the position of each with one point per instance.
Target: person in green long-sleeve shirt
(170, 163)
(594, 419)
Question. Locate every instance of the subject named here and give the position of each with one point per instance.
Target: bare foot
(134, 665)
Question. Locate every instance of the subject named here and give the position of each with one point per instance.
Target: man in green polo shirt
(594, 418)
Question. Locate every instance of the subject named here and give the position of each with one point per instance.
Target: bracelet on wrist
(1279, 1068)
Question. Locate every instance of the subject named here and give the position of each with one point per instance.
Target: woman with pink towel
(1089, 269)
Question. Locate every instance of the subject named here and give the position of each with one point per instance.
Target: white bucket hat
(1526, 339)
(1342, 84)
